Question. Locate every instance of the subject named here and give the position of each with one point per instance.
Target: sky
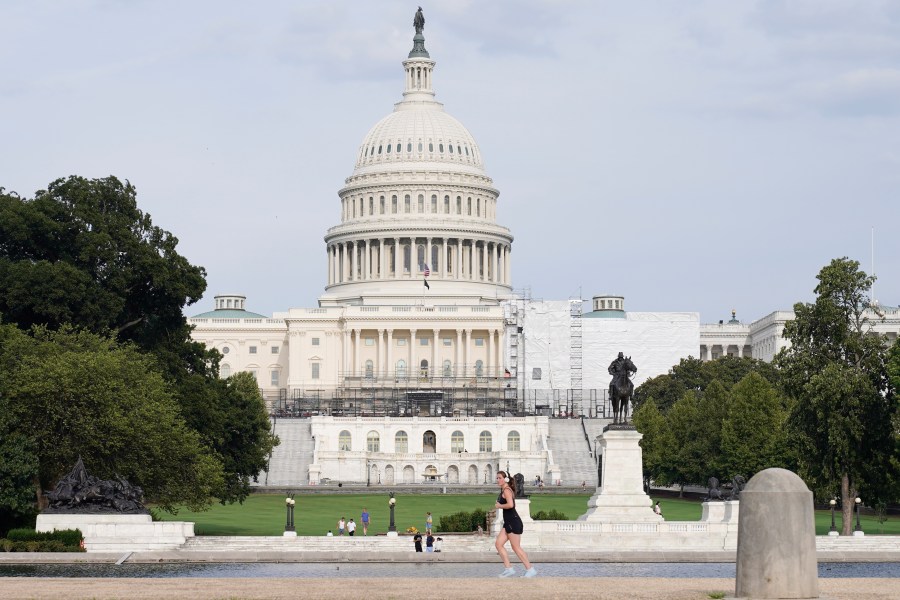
(696, 156)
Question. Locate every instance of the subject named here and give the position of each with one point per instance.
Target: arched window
(373, 442)
(382, 205)
(420, 256)
(484, 442)
(469, 207)
(401, 442)
(478, 207)
(344, 441)
(371, 206)
(407, 203)
(430, 146)
(401, 368)
(394, 204)
(435, 255)
(434, 203)
(513, 441)
(448, 368)
(225, 371)
(479, 368)
(406, 258)
(457, 441)
(459, 205)
(447, 204)
(423, 368)
(370, 368)
(421, 203)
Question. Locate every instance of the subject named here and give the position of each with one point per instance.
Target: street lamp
(833, 530)
(289, 502)
(392, 529)
(858, 530)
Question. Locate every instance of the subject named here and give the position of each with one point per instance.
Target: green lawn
(315, 514)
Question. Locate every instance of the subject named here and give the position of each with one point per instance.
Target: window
(252, 350)
(371, 206)
(401, 442)
(274, 378)
(370, 368)
(423, 368)
(513, 441)
(420, 257)
(479, 341)
(450, 146)
(421, 203)
(369, 341)
(447, 204)
(448, 368)
(423, 341)
(401, 368)
(388, 149)
(420, 146)
(409, 147)
(253, 373)
(447, 341)
(345, 442)
(435, 255)
(469, 207)
(226, 350)
(407, 250)
(457, 442)
(315, 370)
(407, 203)
(373, 442)
(401, 341)
(478, 207)
(484, 442)
(394, 204)
(433, 203)
(398, 146)
(225, 371)
(274, 349)
(430, 147)
(315, 341)
(381, 200)
(459, 205)
(479, 368)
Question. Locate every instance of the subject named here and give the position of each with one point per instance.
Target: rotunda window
(459, 205)
(441, 148)
(420, 256)
(409, 147)
(450, 146)
(407, 203)
(398, 147)
(394, 204)
(435, 253)
(433, 203)
(458, 150)
(430, 147)
(379, 149)
(447, 204)
(421, 203)
(388, 149)
(382, 204)
(420, 146)
(467, 150)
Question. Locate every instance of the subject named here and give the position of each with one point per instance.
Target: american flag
(427, 271)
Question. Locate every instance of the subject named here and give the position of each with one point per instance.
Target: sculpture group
(621, 388)
(80, 492)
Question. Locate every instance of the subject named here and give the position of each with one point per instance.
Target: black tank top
(508, 513)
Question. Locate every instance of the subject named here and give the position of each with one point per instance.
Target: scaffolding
(575, 357)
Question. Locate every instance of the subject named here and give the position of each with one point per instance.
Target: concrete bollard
(776, 546)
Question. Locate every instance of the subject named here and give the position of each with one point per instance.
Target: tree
(753, 431)
(688, 458)
(655, 445)
(73, 393)
(844, 411)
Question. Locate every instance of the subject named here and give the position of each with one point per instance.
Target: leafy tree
(73, 393)
(656, 444)
(688, 454)
(753, 431)
(693, 374)
(712, 409)
(845, 409)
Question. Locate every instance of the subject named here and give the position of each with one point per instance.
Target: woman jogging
(512, 527)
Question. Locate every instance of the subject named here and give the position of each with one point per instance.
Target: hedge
(463, 521)
(29, 540)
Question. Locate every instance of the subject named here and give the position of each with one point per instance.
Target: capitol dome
(418, 207)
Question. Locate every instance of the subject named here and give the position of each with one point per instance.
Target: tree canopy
(843, 419)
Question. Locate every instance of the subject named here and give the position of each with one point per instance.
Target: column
(295, 362)
(458, 342)
(509, 265)
(353, 262)
(346, 261)
(495, 263)
(457, 267)
(356, 345)
(466, 351)
(366, 274)
(390, 352)
(345, 351)
(434, 352)
(484, 261)
(381, 273)
(412, 369)
(379, 355)
(396, 258)
(488, 362)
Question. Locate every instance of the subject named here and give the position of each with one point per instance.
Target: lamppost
(392, 529)
(289, 530)
(833, 530)
(858, 530)
(368, 474)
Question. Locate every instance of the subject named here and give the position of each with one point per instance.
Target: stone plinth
(523, 507)
(119, 533)
(621, 497)
(776, 546)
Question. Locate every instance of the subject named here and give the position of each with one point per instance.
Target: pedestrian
(428, 522)
(329, 534)
(341, 525)
(365, 521)
(583, 483)
(351, 527)
(657, 509)
(512, 527)
(417, 541)
(429, 542)
(438, 542)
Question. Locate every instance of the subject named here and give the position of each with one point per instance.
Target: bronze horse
(621, 391)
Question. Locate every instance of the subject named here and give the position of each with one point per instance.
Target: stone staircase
(345, 543)
(570, 450)
(290, 460)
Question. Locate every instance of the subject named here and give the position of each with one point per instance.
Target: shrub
(69, 537)
(551, 515)
(463, 521)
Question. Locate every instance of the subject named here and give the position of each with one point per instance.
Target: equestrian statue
(621, 388)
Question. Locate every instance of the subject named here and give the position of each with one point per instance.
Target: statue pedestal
(621, 496)
(105, 532)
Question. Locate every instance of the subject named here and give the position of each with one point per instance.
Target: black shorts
(514, 525)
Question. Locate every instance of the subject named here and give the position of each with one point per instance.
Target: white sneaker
(530, 573)
(510, 572)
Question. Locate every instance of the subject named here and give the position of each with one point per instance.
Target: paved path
(458, 589)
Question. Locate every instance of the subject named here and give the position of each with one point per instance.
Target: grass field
(315, 514)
